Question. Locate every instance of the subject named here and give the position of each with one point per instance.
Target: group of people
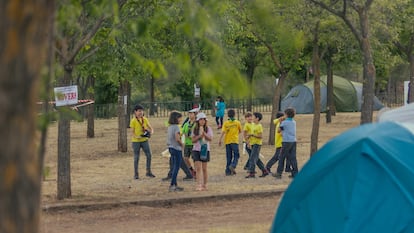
(192, 138)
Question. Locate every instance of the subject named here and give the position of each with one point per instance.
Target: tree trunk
(152, 96)
(330, 105)
(275, 106)
(22, 54)
(316, 93)
(250, 76)
(63, 174)
(90, 132)
(122, 112)
(411, 85)
(368, 85)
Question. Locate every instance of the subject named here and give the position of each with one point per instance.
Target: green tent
(347, 96)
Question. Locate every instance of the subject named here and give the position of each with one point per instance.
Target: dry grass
(100, 173)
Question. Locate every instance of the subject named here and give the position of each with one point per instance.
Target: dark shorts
(188, 151)
(196, 156)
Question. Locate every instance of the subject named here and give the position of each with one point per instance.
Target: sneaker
(277, 176)
(250, 175)
(288, 169)
(188, 178)
(150, 175)
(174, 188)
(232, 170)
(166, 178)
(264, 174)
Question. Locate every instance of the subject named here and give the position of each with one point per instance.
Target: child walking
(255, 138)
(175, 147)
(230, 132)
(201, 136)
(288, 130)
(278, 141)
(247, 130)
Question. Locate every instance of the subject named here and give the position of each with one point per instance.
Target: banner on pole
(66, 95)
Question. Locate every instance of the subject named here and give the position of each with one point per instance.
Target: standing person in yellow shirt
(141, 132)
(247, 129)
(230, 132)
(278, 141)
(256, 140)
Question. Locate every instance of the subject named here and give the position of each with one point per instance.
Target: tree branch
(82, 42)
(341, 15)
(87, 55)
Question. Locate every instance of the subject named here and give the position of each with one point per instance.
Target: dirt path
(240, 215)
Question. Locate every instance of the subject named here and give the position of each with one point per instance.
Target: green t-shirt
(187, 130)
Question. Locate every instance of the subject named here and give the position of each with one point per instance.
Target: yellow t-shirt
(232, 129)
(248, 128)
(257, 129)
(278, 136)
(139, 127)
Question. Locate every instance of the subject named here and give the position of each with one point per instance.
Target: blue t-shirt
(221, 106)
(288, 128)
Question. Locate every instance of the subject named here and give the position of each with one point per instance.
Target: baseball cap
(196, 108)
(201, 115)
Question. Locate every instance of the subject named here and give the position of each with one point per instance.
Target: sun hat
(193, 110)
(201, 115)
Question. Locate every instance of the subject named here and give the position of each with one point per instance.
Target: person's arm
(208, 136)
(200, 135)
(149, 126)
(221, 137)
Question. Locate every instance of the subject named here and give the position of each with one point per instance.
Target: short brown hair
(290, 112)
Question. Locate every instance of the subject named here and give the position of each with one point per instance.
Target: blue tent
(361, 181)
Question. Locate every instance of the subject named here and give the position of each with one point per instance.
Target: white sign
(196, 91)
(66, 95)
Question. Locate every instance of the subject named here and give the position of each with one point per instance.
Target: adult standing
(141, 131)
(220, 109)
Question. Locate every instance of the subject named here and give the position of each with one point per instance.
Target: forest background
(158, 50)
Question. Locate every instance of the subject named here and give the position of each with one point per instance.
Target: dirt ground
(100, 174)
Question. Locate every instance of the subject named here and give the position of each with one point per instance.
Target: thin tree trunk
(152, 96)
(122, 112)
(63, 175)
(368, 85)
(411, 85)
(90, 132)
(316, 93)
(250, 75)
(330, 105)
(275, 106)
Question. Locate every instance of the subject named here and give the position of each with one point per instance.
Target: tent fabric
(347, 96)
(402, 114)
(361, 181)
